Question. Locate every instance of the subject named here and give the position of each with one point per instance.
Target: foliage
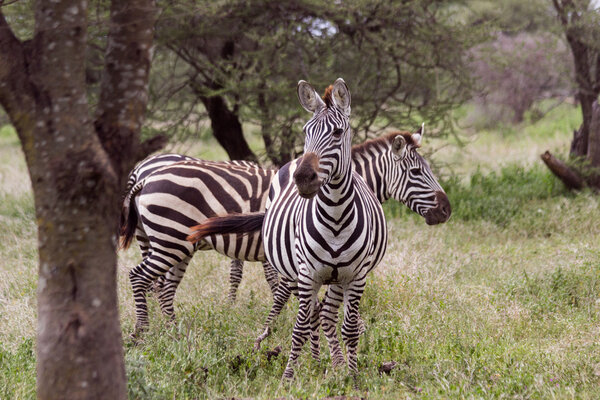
(402, 61)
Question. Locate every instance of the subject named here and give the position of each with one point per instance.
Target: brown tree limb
(570, 178)
(227, 129)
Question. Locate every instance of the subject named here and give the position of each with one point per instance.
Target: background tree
(403, 61)
(515, 72)
(524, 61)
(580, 22)
(78, 165)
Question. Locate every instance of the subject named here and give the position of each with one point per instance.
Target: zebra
(322, 224)
(163, 206)
(390, 165)
(392, 168)
(136, 177)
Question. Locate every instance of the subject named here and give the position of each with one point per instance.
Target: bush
(498, 197)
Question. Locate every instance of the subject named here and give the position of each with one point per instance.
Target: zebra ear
(309, 98)
(341, 96)
(399, 146)
(418, 135)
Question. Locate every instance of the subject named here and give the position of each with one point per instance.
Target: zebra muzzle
(306, 176)
(441, 212)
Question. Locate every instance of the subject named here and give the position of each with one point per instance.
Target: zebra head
(328, 140)
(411, 181)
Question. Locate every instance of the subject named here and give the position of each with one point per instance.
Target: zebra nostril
(313, 176)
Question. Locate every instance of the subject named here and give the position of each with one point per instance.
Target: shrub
(497, 197)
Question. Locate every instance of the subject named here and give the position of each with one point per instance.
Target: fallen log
(567, 175)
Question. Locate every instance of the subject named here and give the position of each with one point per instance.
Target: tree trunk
(593, 153)
(76, 177)
(227, 129)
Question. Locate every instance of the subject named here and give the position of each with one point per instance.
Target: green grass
(503, 301)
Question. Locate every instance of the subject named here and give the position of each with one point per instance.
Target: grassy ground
(503, 301)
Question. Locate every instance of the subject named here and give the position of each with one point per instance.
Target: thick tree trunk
(593, 151)
(227, 129)
(76, 177)
(586, 59)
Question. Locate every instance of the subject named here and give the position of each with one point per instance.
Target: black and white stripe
(323, 224)
(136, 177)
(165, 205)
(390, 165)
(392, 168)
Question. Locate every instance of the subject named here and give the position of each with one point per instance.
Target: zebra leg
(329, 319)
(281, 296)
(171, 281)
(350, 327)
(314, 333)
(302, 329)
(143, 242)
(271, 276)
(235, 277)
(141, 277)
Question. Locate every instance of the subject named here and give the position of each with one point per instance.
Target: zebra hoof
(136, 337)
(288, 375)
(338, 361)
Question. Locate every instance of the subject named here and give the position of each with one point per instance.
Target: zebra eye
(415, 171)
(337, 133)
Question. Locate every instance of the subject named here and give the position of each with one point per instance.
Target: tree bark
(593, 153)
(586, 60)
(227, 129)
(76, 176)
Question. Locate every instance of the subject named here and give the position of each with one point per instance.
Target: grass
(503, 301)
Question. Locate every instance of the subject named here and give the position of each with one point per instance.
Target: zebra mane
(382, 140)
(327, 96)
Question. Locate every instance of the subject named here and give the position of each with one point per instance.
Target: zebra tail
(233, 223)
(129, 217)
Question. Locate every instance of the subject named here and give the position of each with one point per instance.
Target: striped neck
(373, 165)
(335, 201)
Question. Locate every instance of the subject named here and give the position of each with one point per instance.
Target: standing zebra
(161, 209)
(392, 168)
(390, 165)
(135, 183)
(323, 224)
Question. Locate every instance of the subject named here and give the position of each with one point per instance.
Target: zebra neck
(375, 170)
(335, 200)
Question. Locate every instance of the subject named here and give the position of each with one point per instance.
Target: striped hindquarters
(180, 196)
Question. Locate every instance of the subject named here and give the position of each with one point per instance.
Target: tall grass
(503, 301)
